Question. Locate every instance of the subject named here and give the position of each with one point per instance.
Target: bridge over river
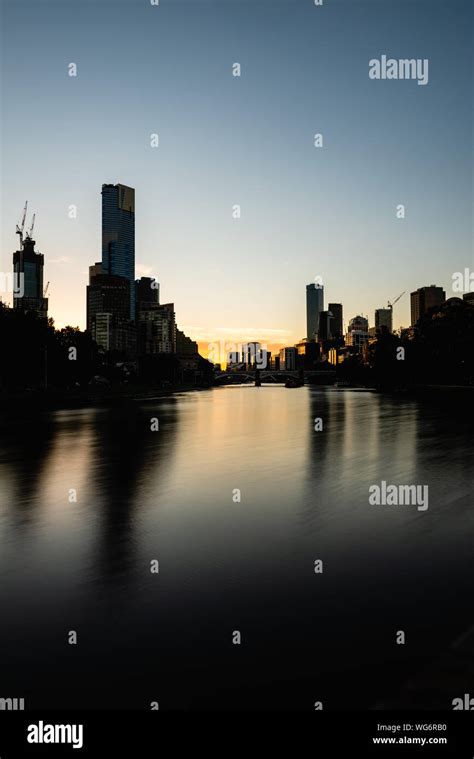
(314, 377)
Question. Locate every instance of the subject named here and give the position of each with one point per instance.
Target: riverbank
(69, 399)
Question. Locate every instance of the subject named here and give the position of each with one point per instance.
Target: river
(236, 496)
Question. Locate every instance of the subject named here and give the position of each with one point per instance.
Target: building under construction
(28, 265)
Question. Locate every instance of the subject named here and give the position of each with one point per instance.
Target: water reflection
(227, 564)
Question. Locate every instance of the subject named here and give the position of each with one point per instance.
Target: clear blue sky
(306, 212)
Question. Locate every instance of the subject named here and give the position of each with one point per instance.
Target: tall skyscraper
(423, 299)
(383, 320)
(336, 320)
(118, 235)
(314, 306)
(28, 276)
(325, 326)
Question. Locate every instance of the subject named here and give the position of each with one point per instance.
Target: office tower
(108, 310)
(383, 320)
(147, 290)
(423, 299)
(307, 354)
(358, 332)
(28, 279)
(314, 305)
(156, 329)
(336, 321)
(107, 294)
(118, 235)
(324, 330)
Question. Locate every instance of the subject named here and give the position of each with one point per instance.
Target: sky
(327, 213)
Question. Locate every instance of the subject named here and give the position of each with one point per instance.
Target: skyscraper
(383, 320)
(325, 326)
(28, 275)
(156, 328)
(147, 290)
(109, 294)
(108, 310)
(357, 333)
(336, 321)
(314, 305)
(118, 235)
(423, 299)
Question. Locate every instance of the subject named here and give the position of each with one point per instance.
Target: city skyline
(327, 212)
(118, 265)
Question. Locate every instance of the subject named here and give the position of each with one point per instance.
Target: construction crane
(20, 227)
(46, 290)
(391, 305)
(30, 231)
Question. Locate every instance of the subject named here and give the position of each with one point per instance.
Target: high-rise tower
(118, 235)
(314, 306)
(28, 276)
(423, 299)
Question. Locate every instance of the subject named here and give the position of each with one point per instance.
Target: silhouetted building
(307, 354)
(108, 309)
(338, 355)
(147, 290)
(250, 354)
(469, 297)
(314, 306)
(107, 294)
(28, 277)
(336, 321)
(265, 361)
(324, 330)
(358, 333)
(157, 329)
(118, 235)
(184, 345)
(114, 335)
(423, 299)
(383, 320)
(288, 359)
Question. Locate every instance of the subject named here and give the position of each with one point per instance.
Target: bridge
(323, 377)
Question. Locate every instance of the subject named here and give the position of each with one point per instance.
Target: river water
(228, 565)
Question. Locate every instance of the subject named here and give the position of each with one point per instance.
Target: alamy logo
(399, 495)
(404, 68)
(463, 281)
(12, 704)
(12, 283)
(463, 703)
(42, 733)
